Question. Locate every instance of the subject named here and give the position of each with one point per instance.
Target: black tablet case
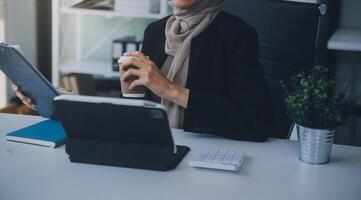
(119, 135)
(29, 79)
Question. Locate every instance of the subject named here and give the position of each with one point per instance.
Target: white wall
(3, 85)
(20, 28)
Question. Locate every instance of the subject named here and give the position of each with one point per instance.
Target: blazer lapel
(158, 53)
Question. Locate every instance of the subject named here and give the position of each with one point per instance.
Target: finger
(130, 73)
(20, 95)
(33, 106)
(15, 88)
(26, 103)
(136, 83)
(122, 69)
(137, 54)
(30, 105)
(132, 62)
(28, 100)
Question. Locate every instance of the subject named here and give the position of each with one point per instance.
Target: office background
(29, 24)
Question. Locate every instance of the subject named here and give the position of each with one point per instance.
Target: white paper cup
(137, 92)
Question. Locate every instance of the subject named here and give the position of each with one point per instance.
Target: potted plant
(317, 107)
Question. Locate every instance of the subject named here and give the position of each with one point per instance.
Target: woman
(202, 64)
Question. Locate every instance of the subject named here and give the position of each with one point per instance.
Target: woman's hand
(149, 76)
(26, 100)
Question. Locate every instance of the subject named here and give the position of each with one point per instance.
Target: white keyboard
(219, 159)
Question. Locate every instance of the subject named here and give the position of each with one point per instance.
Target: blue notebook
(49, 133)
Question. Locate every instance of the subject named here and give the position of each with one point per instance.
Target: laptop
(119, 132)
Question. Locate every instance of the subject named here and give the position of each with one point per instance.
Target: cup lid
(123, 59)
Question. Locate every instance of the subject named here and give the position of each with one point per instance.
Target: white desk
(272, 171)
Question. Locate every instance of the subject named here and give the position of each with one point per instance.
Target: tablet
(31, 82)
(120, 132)
(101, 118)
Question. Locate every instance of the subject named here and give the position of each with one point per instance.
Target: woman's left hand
(149, 76)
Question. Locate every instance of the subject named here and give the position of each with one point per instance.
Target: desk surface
(271, 171)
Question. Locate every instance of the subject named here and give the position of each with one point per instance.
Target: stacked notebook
(48, 133)
(83, 84)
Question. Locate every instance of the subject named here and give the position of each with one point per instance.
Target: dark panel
(350, 133)
(289, 34)
(281, 23)
(44, 37)
(291, 56)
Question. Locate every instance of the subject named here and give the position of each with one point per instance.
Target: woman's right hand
(26, 100)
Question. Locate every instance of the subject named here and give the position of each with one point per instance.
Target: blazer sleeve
(243, 114)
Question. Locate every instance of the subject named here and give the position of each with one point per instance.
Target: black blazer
(228, 92)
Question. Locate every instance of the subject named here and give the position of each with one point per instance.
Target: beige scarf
(181, 28)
